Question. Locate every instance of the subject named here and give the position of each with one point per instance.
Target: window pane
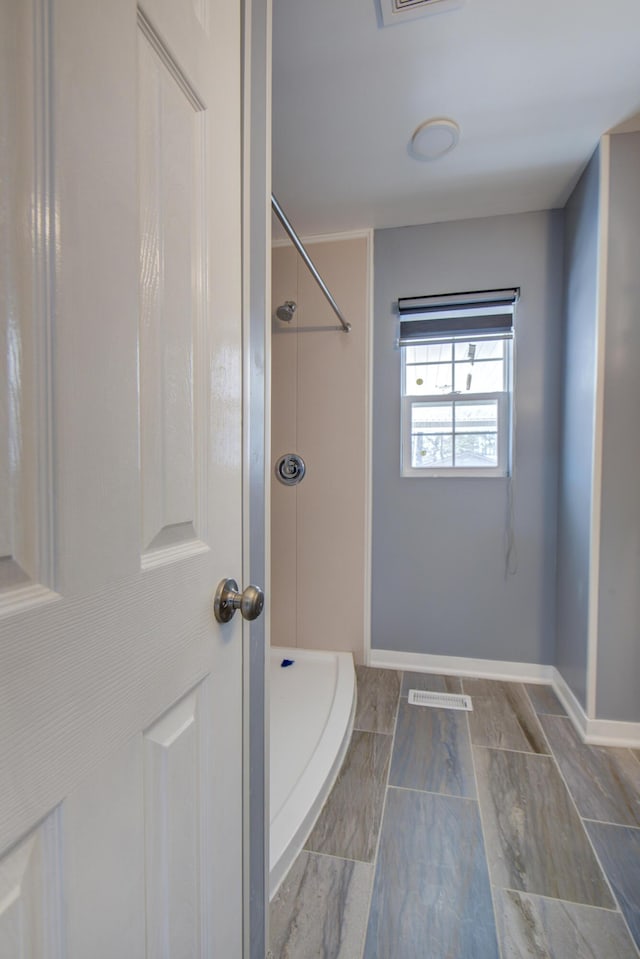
(476, 439)
(477, 417)
(438, 353)
(431, 418)
(478, 450)
(450, 426)
(484, 376)
(414, 354)
(427, 380)
(431, 450)
(482, 350)
(431, 435)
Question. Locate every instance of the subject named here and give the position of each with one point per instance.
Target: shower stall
(319, 521)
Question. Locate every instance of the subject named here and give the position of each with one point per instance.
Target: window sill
(454, 474)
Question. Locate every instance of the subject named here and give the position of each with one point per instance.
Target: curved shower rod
(297, 242)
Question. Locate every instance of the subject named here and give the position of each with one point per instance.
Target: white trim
(247, 10)
(629, 126)
(570, 702)
(266, 741)
(595, 732)
(327, 237)
(368, 453)
(461, 666)
(257, 73)
(598, 426)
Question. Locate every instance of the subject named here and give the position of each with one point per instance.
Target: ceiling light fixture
(434, 138)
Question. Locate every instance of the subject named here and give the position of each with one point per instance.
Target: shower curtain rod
(297, 242)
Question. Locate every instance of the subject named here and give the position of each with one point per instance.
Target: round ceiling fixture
(434, 138)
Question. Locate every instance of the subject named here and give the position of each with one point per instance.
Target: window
(456, 385)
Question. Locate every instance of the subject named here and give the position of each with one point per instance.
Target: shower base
(311, 717)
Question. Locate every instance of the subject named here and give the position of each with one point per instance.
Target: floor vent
(418, 697)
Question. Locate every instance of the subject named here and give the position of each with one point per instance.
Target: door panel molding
(31, 913)
(173, 840)
(173, 309)
(26, 300)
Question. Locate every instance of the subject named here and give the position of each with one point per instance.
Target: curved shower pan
(311, 717)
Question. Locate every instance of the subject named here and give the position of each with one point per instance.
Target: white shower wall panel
(319, 410)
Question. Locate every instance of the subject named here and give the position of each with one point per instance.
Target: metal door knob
(228, 599)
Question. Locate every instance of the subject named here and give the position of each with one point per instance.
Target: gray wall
(618, 670)
(576, 467)
(438, 555)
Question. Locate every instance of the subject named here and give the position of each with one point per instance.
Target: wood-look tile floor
(494, 834)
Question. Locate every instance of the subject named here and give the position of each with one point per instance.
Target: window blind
(482, 313)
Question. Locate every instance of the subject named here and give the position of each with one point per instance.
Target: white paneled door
(120, 485)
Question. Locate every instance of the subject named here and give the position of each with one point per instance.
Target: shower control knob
(290, 469)
(227, 599)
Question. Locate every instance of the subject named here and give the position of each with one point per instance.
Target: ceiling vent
(398, 11)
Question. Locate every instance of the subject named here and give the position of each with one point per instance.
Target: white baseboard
(461, 666)
(594, 732)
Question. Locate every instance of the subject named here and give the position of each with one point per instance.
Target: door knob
(228, 599)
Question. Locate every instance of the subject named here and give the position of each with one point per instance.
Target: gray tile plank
(604, 781)
(544, 700)
(349, 822)
(636, 753)
(618, 848)
(534, 928)
(432, 682)
(320, 910)
(431, 893)
(378, 692)
(535, 839)
(503, 717)
(432, 751)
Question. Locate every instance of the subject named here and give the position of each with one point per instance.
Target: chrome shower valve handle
(290, 469)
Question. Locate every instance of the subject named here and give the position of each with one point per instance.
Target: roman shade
(483, 313)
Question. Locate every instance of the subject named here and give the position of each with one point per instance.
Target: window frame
(504, 432)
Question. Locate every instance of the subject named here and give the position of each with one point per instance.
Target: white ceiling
(533, 86)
